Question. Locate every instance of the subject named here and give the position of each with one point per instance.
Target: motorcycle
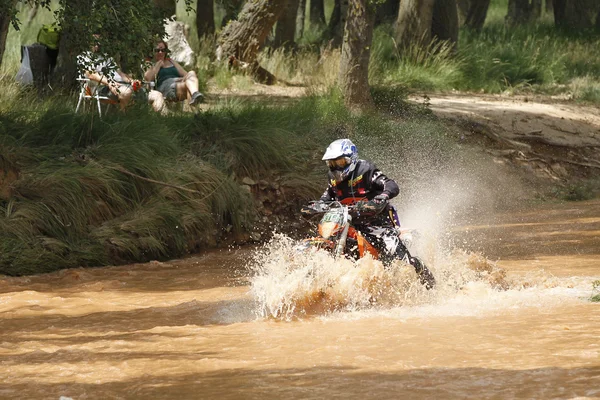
(337, 234)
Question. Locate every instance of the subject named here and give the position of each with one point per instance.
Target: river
(510, 318)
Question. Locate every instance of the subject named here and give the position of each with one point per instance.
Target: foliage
(499, 58)
(124, 29)
(431, 67)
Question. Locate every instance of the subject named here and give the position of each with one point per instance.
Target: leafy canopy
(123, 29)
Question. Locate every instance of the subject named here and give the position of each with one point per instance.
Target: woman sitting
(172, 82)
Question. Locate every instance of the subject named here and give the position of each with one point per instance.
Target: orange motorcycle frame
(364, 246)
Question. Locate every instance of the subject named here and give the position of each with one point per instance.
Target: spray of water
(438, 192)
(287, 283)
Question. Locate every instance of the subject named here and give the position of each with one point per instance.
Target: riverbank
(80, 191)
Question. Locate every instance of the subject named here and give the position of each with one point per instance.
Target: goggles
(339, 163)
(159, 50)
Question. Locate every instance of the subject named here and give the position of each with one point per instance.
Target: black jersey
(366, 181)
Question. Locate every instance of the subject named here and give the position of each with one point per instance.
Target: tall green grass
(532, 57)
(87, 192)
(435, 67)
(499, 58)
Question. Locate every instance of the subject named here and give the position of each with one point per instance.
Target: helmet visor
(338, 164)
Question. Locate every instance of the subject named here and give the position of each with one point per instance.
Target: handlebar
(360, 207)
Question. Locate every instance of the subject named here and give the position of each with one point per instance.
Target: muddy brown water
(201, 327)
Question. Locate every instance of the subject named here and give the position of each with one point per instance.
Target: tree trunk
(463, 10)
(536, 9)
(300, 18)
(232, 9)
(575, 14)
(65, 74)
(444, 22)
(518, 12)
(523, 11)
(244, 37)
(549, 7)
(413, 25)
(338, 22)
(286, 26)
(353, 76)
(73, 41)
(580, 14)
(168, 7)
(559, 12)
(317, 14)
(476, 15)
(335, 18)
(205, 18)
(387, 11)
(4, 26)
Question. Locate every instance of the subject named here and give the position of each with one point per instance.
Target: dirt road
(524, 119)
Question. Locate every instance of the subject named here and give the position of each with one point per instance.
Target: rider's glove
(313, 207)
(381, 198)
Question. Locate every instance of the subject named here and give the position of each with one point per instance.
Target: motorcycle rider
(352, 179)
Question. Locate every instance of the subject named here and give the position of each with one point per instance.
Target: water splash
(288, 284)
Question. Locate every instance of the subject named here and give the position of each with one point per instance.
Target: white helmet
(341, 157)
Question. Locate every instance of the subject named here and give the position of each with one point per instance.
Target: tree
(444, 22)
(124, 29)
(558, 6)
(243, 38)
(167, 7)
(338, 21)
(205, 18)
(576, 14)
(300, 18)
(7, 15)
(286, 26)
(317, 14)
(353, 77)
(523, 11)
(421, 21)
(413, 25)
(127, 29)
(386, 11)
(473, 13)
(232, 9)
(581, 14)
(463, 10)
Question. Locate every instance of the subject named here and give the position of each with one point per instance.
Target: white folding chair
(91, 92)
